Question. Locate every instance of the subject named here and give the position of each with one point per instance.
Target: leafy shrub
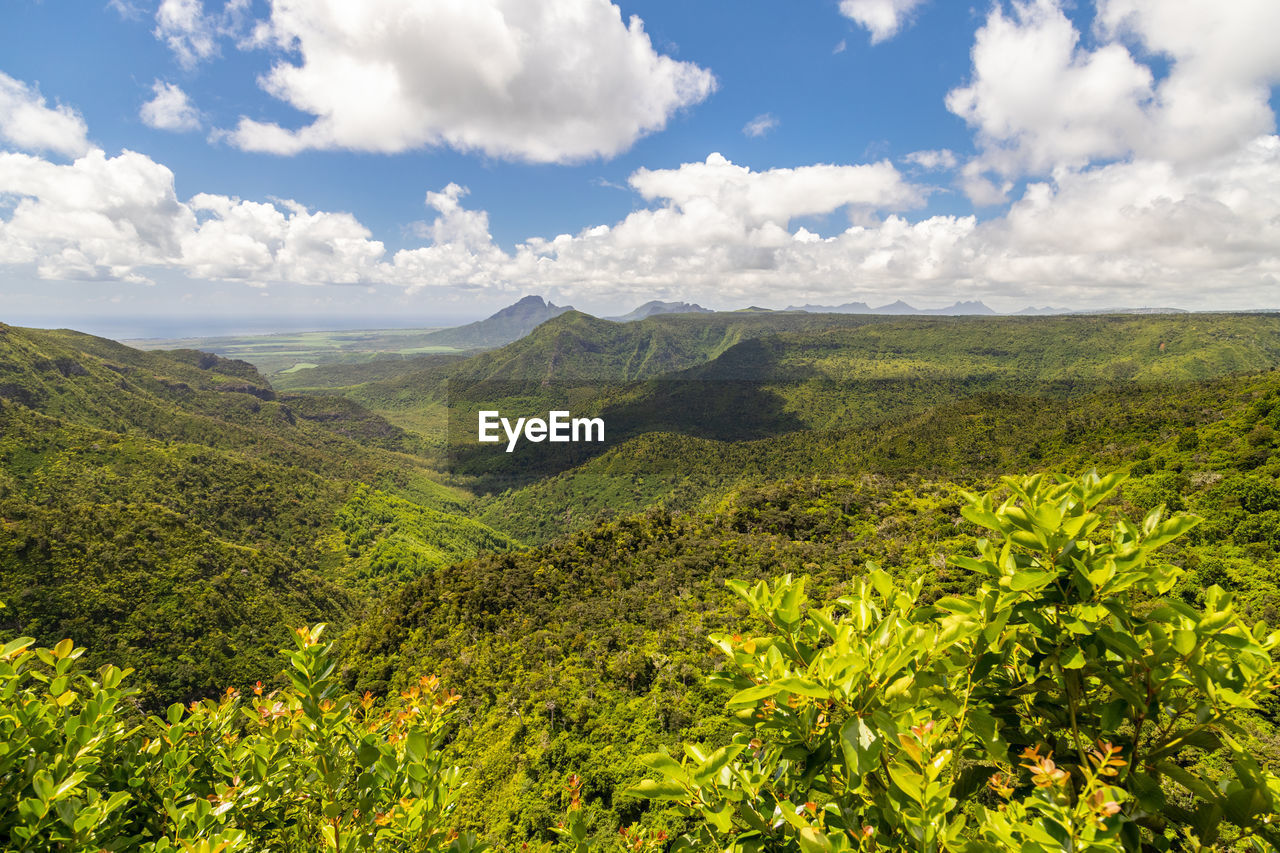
(299, 769)
(1062, 706)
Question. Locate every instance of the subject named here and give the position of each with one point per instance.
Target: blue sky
(1085, 155)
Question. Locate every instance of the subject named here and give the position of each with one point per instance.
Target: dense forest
(529, 631)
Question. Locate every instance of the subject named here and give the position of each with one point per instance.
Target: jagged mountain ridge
(655, 307)
(510, 324)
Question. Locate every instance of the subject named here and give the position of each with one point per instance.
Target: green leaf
(1031, 579)
(660, 762)
(415, 745)
(908, 781)
(1071, 658)
(1188, 780)
(42, 784)
(984, 725)
(813, 841)
(15, 645)
(755, 694)
(792, 598)
(861, 746)
(664, 789)
(801, 686)
(1244, 805)
(1171, 529)
(717, 761)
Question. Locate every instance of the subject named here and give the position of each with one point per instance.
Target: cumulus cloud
(1039, 101)
(555, 81)
(192, 32)
(1144, 223)
(115, 217)
(934, 160)
(169, 109)
(777, 195)
(760, 125)
(882, 18)
(29, 123)
(261, 242)
(97, 218)
(1217, 93)
(1127, 199)
(1142, 230)
(187, 30)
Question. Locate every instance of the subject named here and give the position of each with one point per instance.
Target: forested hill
(579, 655)
(174, 513)
(173, 506)
(849, 385)
(847, 352)
(576, 348)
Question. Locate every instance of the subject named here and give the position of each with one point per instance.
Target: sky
(188, 167)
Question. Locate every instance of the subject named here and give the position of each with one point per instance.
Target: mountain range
(522, 317)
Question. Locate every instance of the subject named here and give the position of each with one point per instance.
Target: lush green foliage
(302, 768)
(1181, 437)
(1055, 690)
(171, 512)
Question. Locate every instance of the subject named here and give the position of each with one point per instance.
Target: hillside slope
(576, 656)
(873, 375)
(174, 513)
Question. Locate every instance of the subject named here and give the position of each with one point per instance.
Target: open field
(293, 352)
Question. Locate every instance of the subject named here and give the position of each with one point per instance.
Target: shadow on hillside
(730, 410)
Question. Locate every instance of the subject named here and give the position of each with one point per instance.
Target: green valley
(540, 619)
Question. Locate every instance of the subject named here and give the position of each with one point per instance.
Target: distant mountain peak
(655, 307)
(896, 307)
(846, 308)
(1032, 311)
(510, 324)
(526, 305)
(967, 308)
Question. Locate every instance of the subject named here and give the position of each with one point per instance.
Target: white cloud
(169, 109)
(126, 9)
(191, 32)
(187, 30)
(841, 47)
(1130, 199)
(259, 242)
(777, 195)
(934, 160)
(882, 18)
(26, 122)
(1140, 231)
(760, 125)
(1041, 102)
(1038, 100)
(554, 81)
(116, 217)
(98, 217)
(1216, 96)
